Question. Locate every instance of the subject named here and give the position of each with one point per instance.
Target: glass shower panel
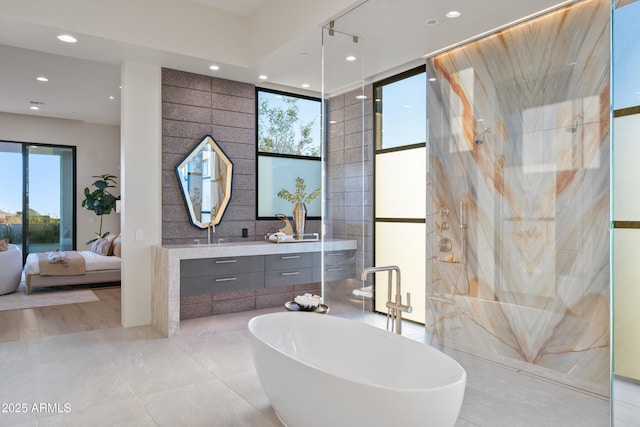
(519, 158)
(347, 168)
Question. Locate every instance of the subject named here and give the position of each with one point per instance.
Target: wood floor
(31, 323)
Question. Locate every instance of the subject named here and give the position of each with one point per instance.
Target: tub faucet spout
(394, 307)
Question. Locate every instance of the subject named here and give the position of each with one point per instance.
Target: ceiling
(281, 39)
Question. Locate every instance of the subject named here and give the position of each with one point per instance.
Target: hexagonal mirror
(205, 181)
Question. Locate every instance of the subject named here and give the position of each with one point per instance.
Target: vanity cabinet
(191, 281)
(234, 274)
(220, 275)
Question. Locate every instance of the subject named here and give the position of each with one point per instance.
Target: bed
(101, 265)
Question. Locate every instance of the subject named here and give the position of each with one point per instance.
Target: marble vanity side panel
(160, 290)
(174, 294)
(519, 132)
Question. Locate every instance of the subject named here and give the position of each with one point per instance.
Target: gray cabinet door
(218, 275)
(298, 276)
(204, 285)
(212, 266)
(288, 261)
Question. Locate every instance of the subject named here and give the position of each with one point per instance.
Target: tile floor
(205, 377)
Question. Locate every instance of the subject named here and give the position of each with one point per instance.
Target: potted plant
(299, 198)
(100, 200)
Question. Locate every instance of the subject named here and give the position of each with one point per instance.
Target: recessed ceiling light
(432, 79)
(33, 107)
(350, 58)
(262, 77)
(42, 79)
(432, 22)
(305, 85)
(453, 14)
(361, 97)
(332, 122)
(67, 38)
(112, 97)
(214, 67)
(304, 54)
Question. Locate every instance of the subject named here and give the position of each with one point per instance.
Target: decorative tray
(305, 238)
(294, 306)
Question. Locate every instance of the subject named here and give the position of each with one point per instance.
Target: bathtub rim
(460, 381)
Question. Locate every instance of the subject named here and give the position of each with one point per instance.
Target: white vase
(299, 217)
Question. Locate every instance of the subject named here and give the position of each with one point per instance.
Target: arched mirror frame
(224, 177)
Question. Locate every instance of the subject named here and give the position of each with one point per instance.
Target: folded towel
(56, 257)
(279, 237)
(307, 300)
(366, 292)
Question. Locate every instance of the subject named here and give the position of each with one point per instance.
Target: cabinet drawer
(345, 270)
(338, 257)
(216, 266)
(203, 285)
(288, 261)
(289, 277)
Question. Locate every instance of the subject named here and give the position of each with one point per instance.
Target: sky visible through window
(626, 56)
(309, 111)
(404, 112)
(45, 198)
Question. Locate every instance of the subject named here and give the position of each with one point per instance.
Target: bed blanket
(68, 263)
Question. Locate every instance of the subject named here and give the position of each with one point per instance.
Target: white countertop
(249, 247)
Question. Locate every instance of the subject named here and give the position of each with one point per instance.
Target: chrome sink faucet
(394, 308)
(211, 229)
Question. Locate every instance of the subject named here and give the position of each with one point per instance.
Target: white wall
(141, 164)
(97, 153)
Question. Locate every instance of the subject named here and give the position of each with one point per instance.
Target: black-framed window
(401, 110)
(288, 145)
(38, 200)
(400, 165)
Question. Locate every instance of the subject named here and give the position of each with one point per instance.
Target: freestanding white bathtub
(321, 370)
